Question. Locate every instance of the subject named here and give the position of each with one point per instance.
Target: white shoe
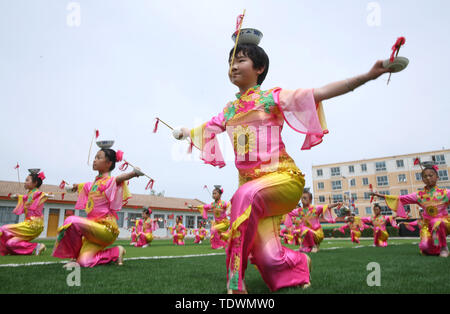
(145, 245)
(122, 252)
(444, 252)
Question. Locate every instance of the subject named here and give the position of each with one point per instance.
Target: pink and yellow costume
(85, 239)
(310, 230)
(270, 183)
(356, 227)
(145, 233)
(428, 245)
(434, 201)
(380, 234)
(286, 234)
(179, 232)
(220, 225)
(15, 238)
(133, 235)
(200, 234)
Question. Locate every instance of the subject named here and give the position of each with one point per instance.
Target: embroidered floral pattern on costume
(244, 140)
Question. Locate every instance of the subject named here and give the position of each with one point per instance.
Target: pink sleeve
(83, 196)
(392, 221)
(20, 205)
(366, 220)
(114, 193)
(410, 225)
(396, 203)
(327, 213)
(342, 228)
(302, 114)
(204, 138)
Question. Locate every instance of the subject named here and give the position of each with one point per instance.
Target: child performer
(221, 223)
(200, 233)
(380, 233)
(179, 232)
(433, 200)
(427, 245)
(270, 182)
(86, 239)
(133, 235)
(15, 238)
(355, 225)
(311, 232)
(147, 226)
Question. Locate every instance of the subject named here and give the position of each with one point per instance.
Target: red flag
(62, 184)
(124, 166)
(9, 195)
(156, 125)
(371, 190)
(17, 166)
(62, 196)
(97, 133)
(416, 161)
(238, 22)
(171, 216)
(191, 144)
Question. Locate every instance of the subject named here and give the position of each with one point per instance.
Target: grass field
(339, 267)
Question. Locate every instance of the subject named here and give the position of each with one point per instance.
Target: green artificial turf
(338, 267)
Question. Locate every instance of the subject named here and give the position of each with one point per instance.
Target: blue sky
(130, 61)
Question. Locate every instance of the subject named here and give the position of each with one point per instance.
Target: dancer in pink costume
(310, 230)
(200, 233)
(85, 239)
(15, 238)
(146, 228)
(179, 232)
(433, 200)
(355, 225)
(221, 224)
(270, 184)
(380, 233)
(133, 234)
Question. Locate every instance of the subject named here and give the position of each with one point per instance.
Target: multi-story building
(397, 175)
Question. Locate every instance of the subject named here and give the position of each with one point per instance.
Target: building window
(385, 211)
(386, 192)
(354, 196)
(190, 221)
(336, 185)
(356, 211)
(319, 172)
(402, 178)
(351, 169)
(443, 175)
(439, 159)
(382, 181)
(418, 176)
(159, 217)
(352, 182)
(82, 213)
(400, 163)
(120, 220)
(380, 166)
(366, 195)
(7, 216)
(132, 219)
(363, 167)
(335, 171)
(369, 210)
(321, 199)
(403, 192)
(320, 185)
(365, 181)
(337, 198)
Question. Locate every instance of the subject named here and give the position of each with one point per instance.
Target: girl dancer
(179, 232)
(86, 239)
(310, 230)
(200, 233)
(147, 226)
(355, 225)
(270, 182)
(380, 234)
(15, 238)
(221, 223)
(433, 200)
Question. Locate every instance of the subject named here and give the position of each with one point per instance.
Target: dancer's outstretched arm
(342, 87)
